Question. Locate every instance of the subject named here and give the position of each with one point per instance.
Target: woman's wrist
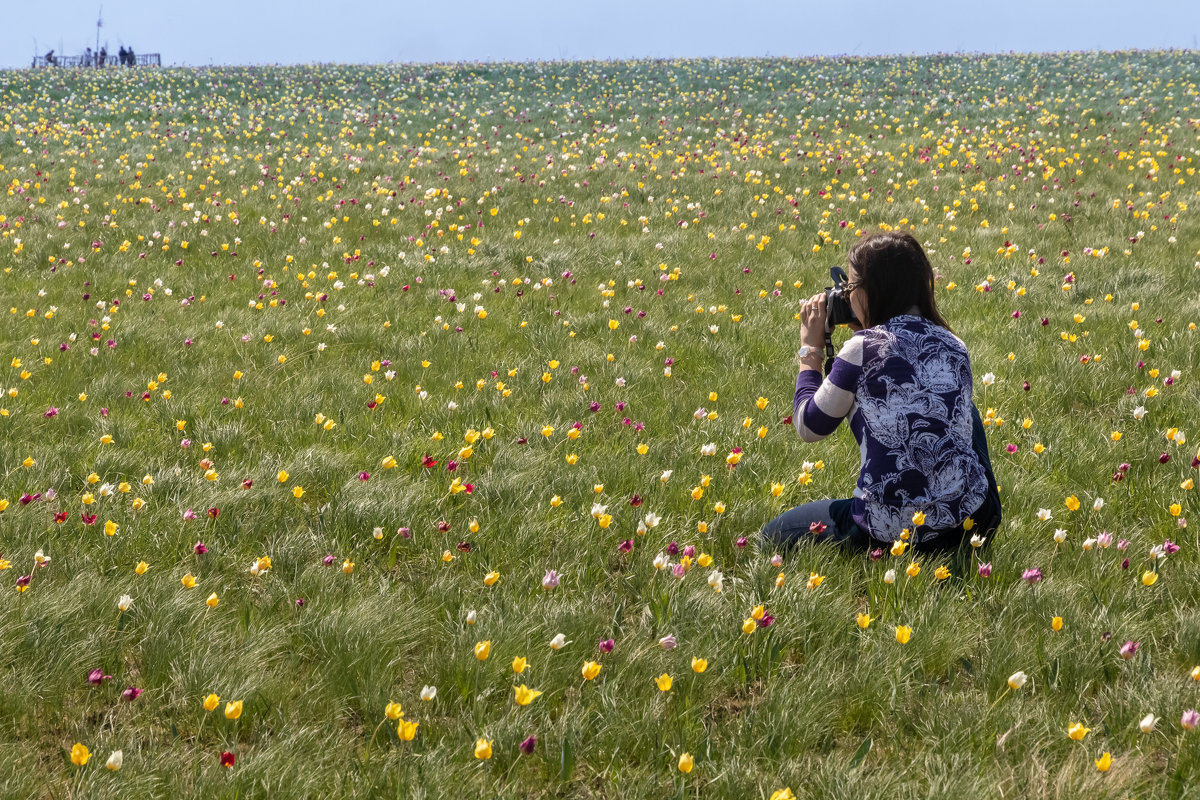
(809, 357)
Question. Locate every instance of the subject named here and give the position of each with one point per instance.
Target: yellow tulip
(701, 664)
(1148, 578)
(393, 711)
(525, 695)
(483, 650)
(80, 754)
(483, 748)
(1056, 623)
(212, 600)
(407, 731)
(903, 634)
(1104, 761)
(590, 670)
(210, 702)
(188, 581)
(519, 664)
(663, 682)
(686, 762)
(749, 625)
(1076, 731)
(491, 578)
(233, 710)
(863, 620)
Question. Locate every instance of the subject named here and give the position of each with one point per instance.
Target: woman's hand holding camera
(812, 321)
(812, 331)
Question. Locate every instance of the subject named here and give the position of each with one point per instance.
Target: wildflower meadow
(407, 431)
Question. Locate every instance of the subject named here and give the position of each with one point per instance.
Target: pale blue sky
(308, 31)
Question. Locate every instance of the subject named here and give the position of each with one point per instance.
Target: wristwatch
(803, 351)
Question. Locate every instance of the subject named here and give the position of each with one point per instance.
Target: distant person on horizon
(50, 62)
(103, 59)
(87, 57)
(121, 56)
(132, 62)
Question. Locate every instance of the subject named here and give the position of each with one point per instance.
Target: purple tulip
(528, 745)
(1190, 719)
(1031, 576)
(1128, 649)
(607, 645)
(985, 570)
(131, 694)
(97, 677)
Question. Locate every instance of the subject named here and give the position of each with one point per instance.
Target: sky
(371, 31)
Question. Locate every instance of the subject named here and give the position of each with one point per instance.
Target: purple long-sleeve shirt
(906, 388)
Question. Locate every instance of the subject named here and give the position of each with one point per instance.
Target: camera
(837, 311)
(837, 302)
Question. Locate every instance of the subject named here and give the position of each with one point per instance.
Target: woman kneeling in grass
(904, 382)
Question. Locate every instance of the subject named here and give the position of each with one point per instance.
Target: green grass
(764, 161)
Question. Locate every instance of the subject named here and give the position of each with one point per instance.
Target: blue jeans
(819, 521)
(835, 523)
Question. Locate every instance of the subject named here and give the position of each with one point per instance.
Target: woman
(904, 382)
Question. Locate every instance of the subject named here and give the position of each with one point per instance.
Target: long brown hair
(896, 274)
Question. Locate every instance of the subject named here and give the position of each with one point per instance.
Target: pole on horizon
(99, 25)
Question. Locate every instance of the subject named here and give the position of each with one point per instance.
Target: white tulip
(716, 580)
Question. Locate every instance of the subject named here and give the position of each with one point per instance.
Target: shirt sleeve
(820, 405)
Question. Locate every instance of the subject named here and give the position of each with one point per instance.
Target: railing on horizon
(111, 60)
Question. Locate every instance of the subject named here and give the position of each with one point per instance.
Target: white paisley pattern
(914, 397)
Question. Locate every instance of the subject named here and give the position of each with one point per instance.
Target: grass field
(336, 387)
